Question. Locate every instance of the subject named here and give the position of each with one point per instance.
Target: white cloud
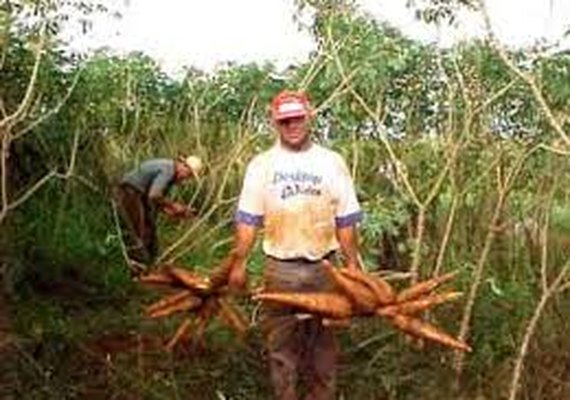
(206, 33)
(516, 22)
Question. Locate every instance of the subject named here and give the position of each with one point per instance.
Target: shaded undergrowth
(73, 345)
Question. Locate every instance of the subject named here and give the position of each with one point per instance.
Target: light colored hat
(194, 163)
(290, 104)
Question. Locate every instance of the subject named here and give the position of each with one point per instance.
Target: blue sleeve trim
(348, 220)
(248, 219)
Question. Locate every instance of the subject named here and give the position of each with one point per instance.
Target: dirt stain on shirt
(307, 230)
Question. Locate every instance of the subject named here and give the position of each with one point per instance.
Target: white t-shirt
(299, 198)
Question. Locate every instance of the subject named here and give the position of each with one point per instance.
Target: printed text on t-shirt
(297, 183)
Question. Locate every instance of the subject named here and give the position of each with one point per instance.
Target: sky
(205, 34)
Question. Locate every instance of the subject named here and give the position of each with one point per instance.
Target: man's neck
(296, 149)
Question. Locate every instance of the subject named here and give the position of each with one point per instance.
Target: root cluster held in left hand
(202, 299)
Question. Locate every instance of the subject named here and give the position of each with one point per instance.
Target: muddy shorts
(138, 223)
(300, 350)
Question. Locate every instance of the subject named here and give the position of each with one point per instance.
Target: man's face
(183, 172)
(293, 132)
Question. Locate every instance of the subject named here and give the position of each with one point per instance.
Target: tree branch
(504, 186)
(527, 78)
(42, 118)
(19, 114)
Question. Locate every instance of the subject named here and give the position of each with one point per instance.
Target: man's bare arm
(166, 205)
(348, 240)
(244, 239)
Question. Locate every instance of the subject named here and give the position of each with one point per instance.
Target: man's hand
(190, 212)
(178, 210)
(237, 280)
(244, 239)
(354, 266)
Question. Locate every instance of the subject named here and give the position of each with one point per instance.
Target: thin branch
(3, 55)
(20, 112)
(251, 111)
(44, 117)
(3, 111)
(531, 328)
(512, 175)
(246, 117)
(81, 179)
(4, 152)
(463, 88)
(544, 243)
(527, 78)
(446, 235)
(504, 187)
(394, 159)
(197, 131)
(29, 192)
(205, 217)
(477, 279)
(118, 230)
(418, 240)
(555, 150)
(217, 200)
(203, 237)
(6, 33)
(313, 70)
(563, 287)
(71, 166)
(450, 95)
(341, 89)
(437, 185)
(416, 259)
(495, 96)
(39, 183)
(491, 167)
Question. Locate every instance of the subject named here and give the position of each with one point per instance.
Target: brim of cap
(290, 114)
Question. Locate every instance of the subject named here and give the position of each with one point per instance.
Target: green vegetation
(460, 157)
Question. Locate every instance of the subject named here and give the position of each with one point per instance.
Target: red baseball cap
(290, 104)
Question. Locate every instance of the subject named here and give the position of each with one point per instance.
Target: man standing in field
(304, 197)
(142, 191)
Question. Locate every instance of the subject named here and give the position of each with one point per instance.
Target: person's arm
(348, 215)
(171, 208)
(244, 239)
(156, 194)
(248, 218)
(160, 201)
(347, 239)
